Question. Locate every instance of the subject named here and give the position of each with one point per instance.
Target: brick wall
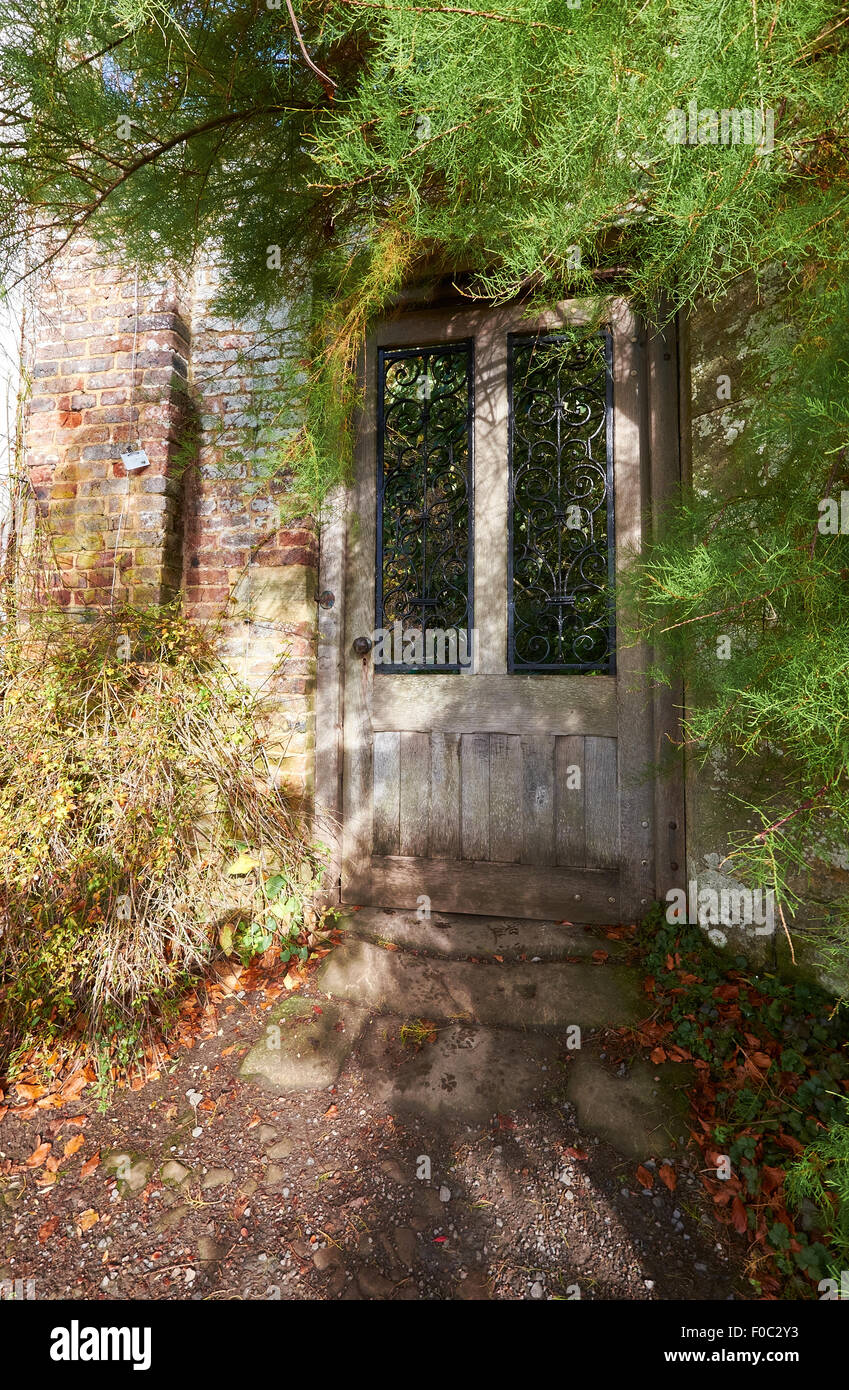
(108, 531)
(256, 580)
(114, 362)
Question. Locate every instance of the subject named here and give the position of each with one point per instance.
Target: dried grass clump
(141, 828)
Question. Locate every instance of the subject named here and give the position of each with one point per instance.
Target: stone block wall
(727, 345)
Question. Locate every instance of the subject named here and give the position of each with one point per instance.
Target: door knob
(362, 645)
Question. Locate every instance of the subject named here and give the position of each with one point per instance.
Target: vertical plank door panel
(387, 793)
(538, 799)
(444, 796)
(602, 803)
(570, 793)
(474, 796)
(414, 810)
(505, 798)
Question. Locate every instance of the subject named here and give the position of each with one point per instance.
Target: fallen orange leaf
(30, 1092)
(39, 1155)
(644, 1177)
(46, 1230)
(74, 1085)
(668, 1176)
(90, 1165)
(87, 1219)
(73, 1144)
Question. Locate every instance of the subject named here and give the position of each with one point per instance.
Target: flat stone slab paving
(305, 1045)
(642, 1114)
(457, 936)
(468, 1073)
(548, 994)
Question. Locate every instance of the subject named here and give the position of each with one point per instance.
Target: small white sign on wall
(135, 459)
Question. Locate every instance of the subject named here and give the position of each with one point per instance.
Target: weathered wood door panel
(495, 788)
(499, 798)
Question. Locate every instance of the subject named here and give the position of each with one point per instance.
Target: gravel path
(208, 1188)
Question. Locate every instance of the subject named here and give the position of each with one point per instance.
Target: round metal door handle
(362, 645)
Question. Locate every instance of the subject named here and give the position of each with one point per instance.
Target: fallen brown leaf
(30, 1092)
(738, 1216)
(74, 1085)
(46, 1230)
(90, 1165)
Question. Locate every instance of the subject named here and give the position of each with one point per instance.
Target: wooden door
(501, 485)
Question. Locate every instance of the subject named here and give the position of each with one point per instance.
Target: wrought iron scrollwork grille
(561, 537)
(424, 571)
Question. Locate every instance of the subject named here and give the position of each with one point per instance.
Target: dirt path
(209, 1187)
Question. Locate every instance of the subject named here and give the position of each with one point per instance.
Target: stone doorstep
(642, 1114)
(500, 1034)
(457, 936)
(468, 1073)
(550, 994)
(305, 1044)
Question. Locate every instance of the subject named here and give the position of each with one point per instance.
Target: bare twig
(150, 157)
(327, 82)
(776, 825)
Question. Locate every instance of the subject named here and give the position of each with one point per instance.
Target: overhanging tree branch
(150, 157)
(327, 82)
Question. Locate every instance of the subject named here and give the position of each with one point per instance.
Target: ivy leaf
(813, 1259)
(778, 1236)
